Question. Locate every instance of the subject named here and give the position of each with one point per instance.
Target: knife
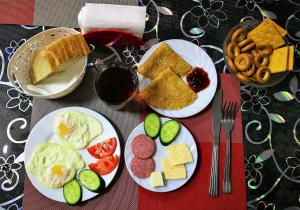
(216, 124)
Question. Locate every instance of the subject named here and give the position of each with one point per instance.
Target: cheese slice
(179, 154)
(279, 60)
(290, 64)
(173, 172)
(157, 179)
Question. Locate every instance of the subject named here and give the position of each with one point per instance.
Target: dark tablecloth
(271, 116)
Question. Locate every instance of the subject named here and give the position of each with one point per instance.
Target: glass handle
(99, 64)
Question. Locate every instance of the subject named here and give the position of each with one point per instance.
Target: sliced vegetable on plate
(105, 165)
(72, 192)
(152, 125)
(103, 149)
(90, 180)
(168, 132)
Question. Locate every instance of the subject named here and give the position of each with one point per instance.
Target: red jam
(198, 79)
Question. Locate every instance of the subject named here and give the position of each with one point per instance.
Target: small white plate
(44, 130)
(184, 136)
(196, 57)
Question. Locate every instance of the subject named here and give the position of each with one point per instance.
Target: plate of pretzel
(257, 53)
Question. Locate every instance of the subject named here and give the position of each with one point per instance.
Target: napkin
(108, 16)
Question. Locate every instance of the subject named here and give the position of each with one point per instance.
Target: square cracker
(280, 30)
(266, 32)
(279, 60)
(162, 58)
(290, 64)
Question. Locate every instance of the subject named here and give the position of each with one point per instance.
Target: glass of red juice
(116, 84)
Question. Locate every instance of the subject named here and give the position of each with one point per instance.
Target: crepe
(162, 58)
(168, 91)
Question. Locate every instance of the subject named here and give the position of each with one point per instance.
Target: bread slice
(57, 56)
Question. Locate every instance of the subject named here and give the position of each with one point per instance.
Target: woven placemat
(64, 12)
(124, 121)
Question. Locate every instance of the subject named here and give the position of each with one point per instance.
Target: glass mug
(116, 84)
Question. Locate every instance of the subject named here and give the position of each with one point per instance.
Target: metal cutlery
(227, 121)
(216, 124)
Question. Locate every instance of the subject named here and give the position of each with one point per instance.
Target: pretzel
(263, 74)
(245, 42)
(265, 48)
(249, 72)
(233, 50)
(231, 65)
(248, 47)
(242, 62)
(261, 59)
(238, 35)
(254, 52)
(242, 77)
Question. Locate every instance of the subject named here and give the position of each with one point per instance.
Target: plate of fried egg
(59, 148)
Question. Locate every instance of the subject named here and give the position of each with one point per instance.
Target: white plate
(43, 131)
(196, 57)
(183, 137)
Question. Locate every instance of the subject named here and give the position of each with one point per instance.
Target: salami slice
(143, 146)
(142, 168)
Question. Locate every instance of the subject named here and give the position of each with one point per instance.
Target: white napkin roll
(109, 16)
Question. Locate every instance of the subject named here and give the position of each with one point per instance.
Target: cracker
(279, 60)
(281, 30)
(266, 32)
(168, 91)
(291, 56)
(162, 58)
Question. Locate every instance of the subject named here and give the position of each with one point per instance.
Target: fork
(227, 121)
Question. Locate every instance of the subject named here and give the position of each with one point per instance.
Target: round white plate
(44, 130)
(184, 136)
(196, 57)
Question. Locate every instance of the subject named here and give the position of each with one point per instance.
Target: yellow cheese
(290, 64)
(179, 154)
(279, 60)
(173, 172)
(156, 179)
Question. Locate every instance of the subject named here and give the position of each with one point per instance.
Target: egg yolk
(64, 129)
(57, 170)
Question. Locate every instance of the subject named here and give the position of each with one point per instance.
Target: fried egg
(54, 165)
(77, 128)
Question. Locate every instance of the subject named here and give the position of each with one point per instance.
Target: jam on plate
(198, 79)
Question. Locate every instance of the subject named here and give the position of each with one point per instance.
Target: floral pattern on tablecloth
(271, 116)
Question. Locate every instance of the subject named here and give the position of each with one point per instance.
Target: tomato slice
(103, 149)
(105, 165)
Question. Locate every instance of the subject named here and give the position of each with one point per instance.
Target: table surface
(270, 116)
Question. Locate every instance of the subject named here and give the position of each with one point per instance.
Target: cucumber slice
(90, 180)
(72, 192)
(152, 125)
(168, 132)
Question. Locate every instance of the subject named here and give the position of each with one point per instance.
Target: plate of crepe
(162, 75)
